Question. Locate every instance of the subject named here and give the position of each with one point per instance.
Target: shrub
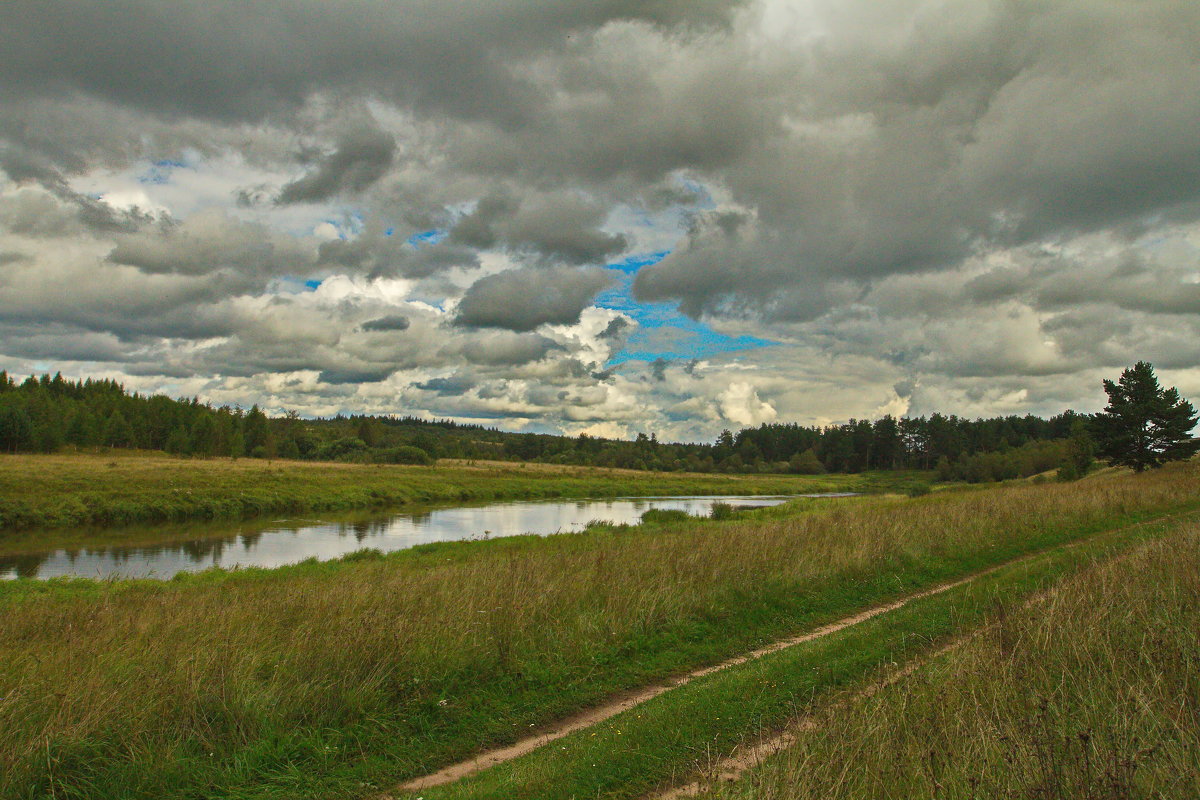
(342, 449)
(721, 511)
(919, 490)
(405, 454)
(664, 515)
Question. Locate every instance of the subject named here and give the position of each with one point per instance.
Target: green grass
(123, 488)
(658, 742)
(324, 680)
(1093, 693)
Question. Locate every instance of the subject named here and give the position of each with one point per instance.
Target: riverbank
(54, 491)
(341, 679)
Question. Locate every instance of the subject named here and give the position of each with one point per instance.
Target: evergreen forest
(48, 414)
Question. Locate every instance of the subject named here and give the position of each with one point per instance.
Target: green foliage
(806, 463)
(405, 454)
(94, 413)
(16, 429)
(349, 448)
(1022, 462)
(1144, 425)
(721, 511)
(660, 516)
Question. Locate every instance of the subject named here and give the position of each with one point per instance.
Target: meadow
(124, 487)
(343, 679)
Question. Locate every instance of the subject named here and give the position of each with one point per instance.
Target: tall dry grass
(176, 688)
(1093, 693)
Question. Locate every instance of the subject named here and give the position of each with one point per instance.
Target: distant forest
(48, 414)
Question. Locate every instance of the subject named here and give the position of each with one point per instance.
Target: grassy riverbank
(124, 488)
(336, 679)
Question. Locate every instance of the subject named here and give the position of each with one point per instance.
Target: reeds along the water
(149, 676)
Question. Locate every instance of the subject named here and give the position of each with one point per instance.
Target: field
(123, 487)
(347, 679)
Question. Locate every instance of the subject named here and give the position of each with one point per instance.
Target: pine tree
(117, 431)
(1144, 425)
(16, 429)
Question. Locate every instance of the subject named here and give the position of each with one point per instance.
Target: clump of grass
(1090, 694)
(325, 675)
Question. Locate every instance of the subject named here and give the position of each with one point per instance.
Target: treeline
(46, 414)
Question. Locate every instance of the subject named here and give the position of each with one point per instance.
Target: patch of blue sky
(425, 237)
(663, 331)
(159, 172)
(291, 284)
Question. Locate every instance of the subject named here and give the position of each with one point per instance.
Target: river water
(274, 544)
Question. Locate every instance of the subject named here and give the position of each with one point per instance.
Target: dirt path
(746, 757)
(754, 753)
(623, 702)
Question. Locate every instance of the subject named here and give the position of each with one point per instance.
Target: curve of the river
(290, 541)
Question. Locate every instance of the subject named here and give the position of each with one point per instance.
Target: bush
(405, 454)
(721, 511)
(919, 490)
(342, 449)
(806, 463)
(664, 515)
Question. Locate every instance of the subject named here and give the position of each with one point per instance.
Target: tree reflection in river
(184, 549)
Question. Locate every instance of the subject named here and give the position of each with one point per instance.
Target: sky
(611, 217)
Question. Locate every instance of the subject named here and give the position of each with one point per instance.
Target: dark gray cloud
(523, 299)
(392, 322)
(502, 348)
(210, 241)
(229, 60)
(360, 158)
(562, 227)
(376, 254)
(355, 376)
(453, 385)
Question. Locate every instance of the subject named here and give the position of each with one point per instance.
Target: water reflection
(288, 542)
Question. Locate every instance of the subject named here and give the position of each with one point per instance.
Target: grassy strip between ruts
(1092, 693)
(658, 742)
(123, 488)
(320, 679)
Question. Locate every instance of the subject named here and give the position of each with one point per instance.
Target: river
(174, 549)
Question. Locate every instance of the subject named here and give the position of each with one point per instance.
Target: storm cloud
(523, 299)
